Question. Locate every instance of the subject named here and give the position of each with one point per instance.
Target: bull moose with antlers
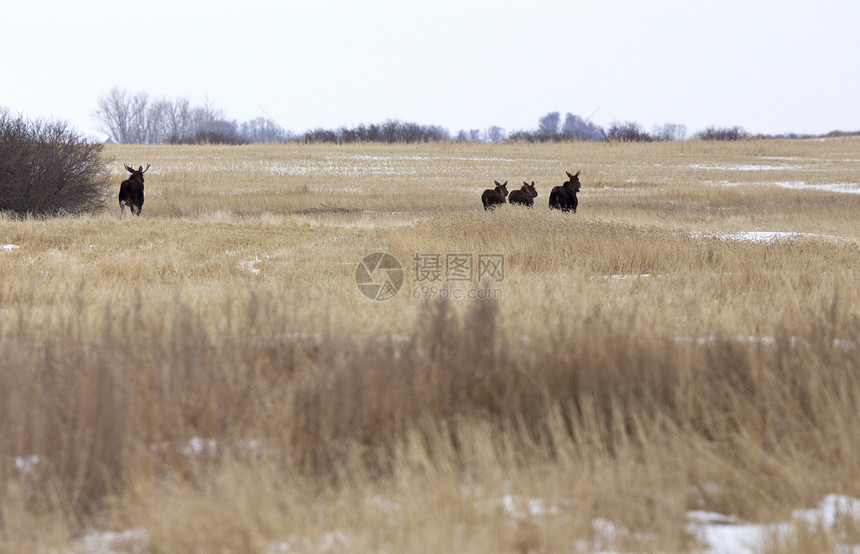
(131, 191)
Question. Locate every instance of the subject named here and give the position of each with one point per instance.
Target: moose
(524, 195)
(131, 191)
(564, 197)
(491, 197)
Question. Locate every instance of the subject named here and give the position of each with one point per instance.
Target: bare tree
(262, 129)
(410, 133)
(723, 133)
(177, 119)
(113, 113)
(207, 117)
(669, 132)
(391, 130)
(496, 134)
(472, 135)
(138, 118)
(628, 131)
(576, 128)
(548, 125)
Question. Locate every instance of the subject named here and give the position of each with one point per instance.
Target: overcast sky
(769, 66)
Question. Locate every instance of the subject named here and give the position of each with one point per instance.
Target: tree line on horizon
(138, 119)
(48, 168)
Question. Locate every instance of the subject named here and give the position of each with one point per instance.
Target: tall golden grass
(209, 377)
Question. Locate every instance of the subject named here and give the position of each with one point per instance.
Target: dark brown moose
(564, 197)
(131, 191)
(524, 195)
(491, 197)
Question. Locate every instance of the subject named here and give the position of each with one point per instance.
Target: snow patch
(248, 265)
(843, 188)
(845, 345)
(761, 236)
(197, 446)
(741, 167)
(520, 508)
(334, 541)
(622, 277)
(606, 534)
(27, 464)
(109, 542)
(9, 247)
(724, 534)
(717, 533)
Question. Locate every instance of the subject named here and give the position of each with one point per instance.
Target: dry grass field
(209, 378)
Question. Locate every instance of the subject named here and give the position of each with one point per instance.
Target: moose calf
(524, 195)
(564, 197)
(131, 191)
(491, 197)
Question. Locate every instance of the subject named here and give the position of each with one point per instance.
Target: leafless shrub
(47, 168)
(628, 131)
(723, 133)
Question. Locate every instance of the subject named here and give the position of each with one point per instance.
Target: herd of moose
(562, 197)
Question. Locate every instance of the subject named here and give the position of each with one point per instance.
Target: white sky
(769, 66)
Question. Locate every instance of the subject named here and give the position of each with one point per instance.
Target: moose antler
(147, 169)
